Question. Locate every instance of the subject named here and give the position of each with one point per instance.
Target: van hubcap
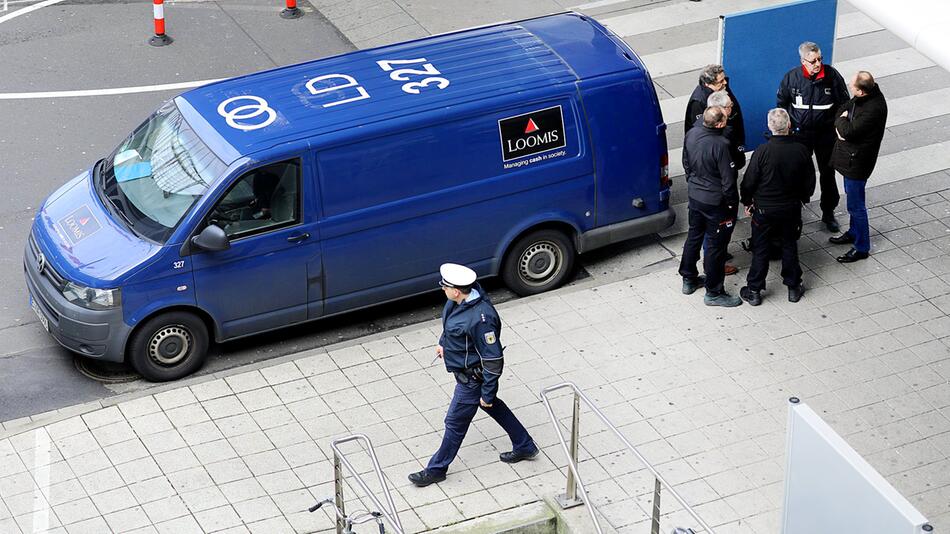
(540, 262)
(170, 345)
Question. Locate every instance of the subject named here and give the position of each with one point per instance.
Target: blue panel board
(760, 46)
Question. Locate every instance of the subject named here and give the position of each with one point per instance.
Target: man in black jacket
(860, 129)
(713, 200)
(780, 178)
(811, 93)
(712, 80)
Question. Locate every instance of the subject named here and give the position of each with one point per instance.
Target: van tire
(169, 346)
(538, 262)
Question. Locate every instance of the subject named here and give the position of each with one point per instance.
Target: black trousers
(822, 144)
(785, 225)
(714, 224)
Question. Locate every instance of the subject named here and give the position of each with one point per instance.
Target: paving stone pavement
(700, 391)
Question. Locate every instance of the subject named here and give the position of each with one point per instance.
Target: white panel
(830, 488)
(924, 26)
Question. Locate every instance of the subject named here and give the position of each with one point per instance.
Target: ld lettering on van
(343, 87)
(532, 133)
(349, 82)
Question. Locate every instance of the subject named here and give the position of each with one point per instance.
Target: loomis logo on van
(79, 224)
(532, 133)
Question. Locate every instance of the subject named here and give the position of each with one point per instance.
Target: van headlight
(92, 298)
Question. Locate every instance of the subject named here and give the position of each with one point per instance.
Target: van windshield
(154, 177)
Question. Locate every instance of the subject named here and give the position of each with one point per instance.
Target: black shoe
(795, 293)
(844, 239)
(852, 256)
(690, 286)
(751, 296)
(425, 477)
(722, 299)
(831, 223)
(513, 457)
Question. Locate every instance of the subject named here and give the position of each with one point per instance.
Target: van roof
(264, 109)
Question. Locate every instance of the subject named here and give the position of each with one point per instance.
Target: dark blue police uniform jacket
(471, 341)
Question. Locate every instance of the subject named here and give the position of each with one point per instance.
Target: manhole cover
(108, 372)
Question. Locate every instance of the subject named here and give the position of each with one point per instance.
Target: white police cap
(455, 275)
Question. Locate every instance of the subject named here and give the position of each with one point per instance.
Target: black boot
(852, 256)
(795, 293)
(691, 285)
(831, 223)
(751, 296)
(425, 477)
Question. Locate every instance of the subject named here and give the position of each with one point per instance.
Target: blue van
(306, 191)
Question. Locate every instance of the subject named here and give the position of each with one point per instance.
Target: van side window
(264, 199)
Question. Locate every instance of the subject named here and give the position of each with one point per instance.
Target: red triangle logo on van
(532, 127)
(83, 220)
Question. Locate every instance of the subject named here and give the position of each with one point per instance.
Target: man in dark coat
(713, 200)
(860, 129)
(779, 180)
(711, 80)
(811, 93)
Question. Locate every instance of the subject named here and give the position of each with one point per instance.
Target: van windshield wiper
(99, 177)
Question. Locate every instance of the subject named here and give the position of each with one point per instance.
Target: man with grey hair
(713, 201)
(713, 79)
(811, 94)
(779, 180)
(721, 99)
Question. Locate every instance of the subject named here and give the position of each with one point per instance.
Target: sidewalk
(702, 392)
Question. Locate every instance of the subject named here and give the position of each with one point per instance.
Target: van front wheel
(169, 346)
(538, 262)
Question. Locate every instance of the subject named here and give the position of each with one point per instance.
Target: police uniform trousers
(714, 224)
(784, 224)
(464, 406)
(822, 144)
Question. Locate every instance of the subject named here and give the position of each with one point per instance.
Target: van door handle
(298, 237)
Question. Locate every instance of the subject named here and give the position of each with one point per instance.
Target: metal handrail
(339, 459)
(573, 477)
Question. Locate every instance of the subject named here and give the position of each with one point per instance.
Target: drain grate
(106, 372)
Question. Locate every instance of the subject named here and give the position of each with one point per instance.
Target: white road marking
(28, 9)
(107, 92)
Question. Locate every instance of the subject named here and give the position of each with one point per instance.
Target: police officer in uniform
(471, 348)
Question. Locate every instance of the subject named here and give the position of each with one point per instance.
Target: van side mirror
(212, 239)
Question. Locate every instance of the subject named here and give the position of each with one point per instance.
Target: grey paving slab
(865, 44)
(674, 37)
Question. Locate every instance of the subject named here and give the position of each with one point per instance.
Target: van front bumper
(99, 334)
(622, 231)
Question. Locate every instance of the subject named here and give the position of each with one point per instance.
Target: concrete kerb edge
(61, 414)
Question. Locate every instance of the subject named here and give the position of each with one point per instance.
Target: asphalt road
(44, 142)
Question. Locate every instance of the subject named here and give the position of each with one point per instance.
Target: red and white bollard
(291, 11)
(159, 39)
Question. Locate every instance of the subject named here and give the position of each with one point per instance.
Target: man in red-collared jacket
(811, 94)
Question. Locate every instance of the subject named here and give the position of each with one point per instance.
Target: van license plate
(39, 313)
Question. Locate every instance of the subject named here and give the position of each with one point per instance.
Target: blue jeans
(858, 211)
(462, 410)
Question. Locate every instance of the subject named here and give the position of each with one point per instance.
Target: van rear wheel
(538, 262)
(169, 346)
